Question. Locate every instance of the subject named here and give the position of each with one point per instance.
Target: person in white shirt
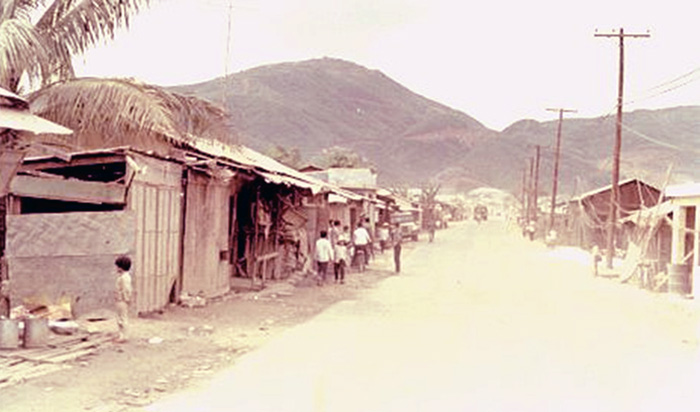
(383, 235)
(324, 255)
(341, 254)
(361, 240)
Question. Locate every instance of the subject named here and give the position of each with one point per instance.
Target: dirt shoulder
(170, 351)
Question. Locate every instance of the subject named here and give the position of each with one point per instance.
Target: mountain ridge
(319, 103)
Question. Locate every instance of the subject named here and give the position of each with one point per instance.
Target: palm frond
(197, 117)
(80, 25)
(11, 9)
(108, 112)
(56, 9)
(116, 112)
(21, 51)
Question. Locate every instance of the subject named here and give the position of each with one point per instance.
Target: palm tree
(39, 38)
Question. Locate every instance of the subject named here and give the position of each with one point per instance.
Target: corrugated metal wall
(155, 197)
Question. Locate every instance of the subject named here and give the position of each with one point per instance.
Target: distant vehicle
(407, 224)
(409, 230)
(481, 213)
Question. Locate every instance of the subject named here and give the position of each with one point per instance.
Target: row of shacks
(657, 228)
(191, 221)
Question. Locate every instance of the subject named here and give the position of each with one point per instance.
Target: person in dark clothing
(396, 242)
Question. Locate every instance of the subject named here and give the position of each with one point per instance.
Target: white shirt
(324, 250)
(341, 249)
(361, 237)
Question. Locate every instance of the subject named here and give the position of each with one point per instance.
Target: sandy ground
(194, 343)
(479, 320)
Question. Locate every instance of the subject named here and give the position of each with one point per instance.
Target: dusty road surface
(481, 320)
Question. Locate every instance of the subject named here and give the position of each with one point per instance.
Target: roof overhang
(19, 119)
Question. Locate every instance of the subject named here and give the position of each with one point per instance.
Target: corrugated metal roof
(606, 188)
(270, 169)
(22, 119)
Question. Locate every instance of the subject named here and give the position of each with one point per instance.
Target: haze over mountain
(316, 104)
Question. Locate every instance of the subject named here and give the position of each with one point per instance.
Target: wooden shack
(190, 222)
(588, 213)
(69, 218)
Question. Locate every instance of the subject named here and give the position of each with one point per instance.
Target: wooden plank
(70, 190)
(267, 256)
(80, 161)
(25, 374)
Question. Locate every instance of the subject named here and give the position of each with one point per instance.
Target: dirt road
(171, 351)
(481, 320)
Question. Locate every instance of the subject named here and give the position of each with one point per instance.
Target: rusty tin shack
(190, 223)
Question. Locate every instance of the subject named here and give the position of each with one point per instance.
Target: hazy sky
(498, 61)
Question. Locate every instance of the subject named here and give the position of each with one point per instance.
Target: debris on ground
(64, 327)
(203, 330)
(19, 365)
(192, 301)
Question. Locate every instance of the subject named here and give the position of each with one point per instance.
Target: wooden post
(254, 246)
(678, 235)
(695, 271)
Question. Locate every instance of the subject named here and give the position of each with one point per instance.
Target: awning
(289, 181)
(18, 119)
(334, 198)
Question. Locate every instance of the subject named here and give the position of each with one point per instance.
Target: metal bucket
(36, 332)
(679, 279)
(9, 333)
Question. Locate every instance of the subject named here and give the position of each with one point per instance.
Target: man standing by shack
(122, 295)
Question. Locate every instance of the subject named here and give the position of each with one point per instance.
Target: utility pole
(529, 190)
(537, 174)
(557, 150)
(524, 191)
(614, 192)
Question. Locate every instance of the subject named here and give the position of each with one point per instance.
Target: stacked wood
(19, 365)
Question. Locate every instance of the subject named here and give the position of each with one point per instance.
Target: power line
(659, 142)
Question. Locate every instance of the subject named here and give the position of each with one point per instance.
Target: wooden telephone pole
(537, 178)
(523, 202)
(614, 192)
(529, 190)
(557, 150)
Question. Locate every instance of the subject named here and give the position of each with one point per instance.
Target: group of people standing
(334, 246)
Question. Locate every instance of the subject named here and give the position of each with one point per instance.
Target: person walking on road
(341, 255)
(396, 243)
(361, 240)
(383, 235)
(122, 296)
(324, 255)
